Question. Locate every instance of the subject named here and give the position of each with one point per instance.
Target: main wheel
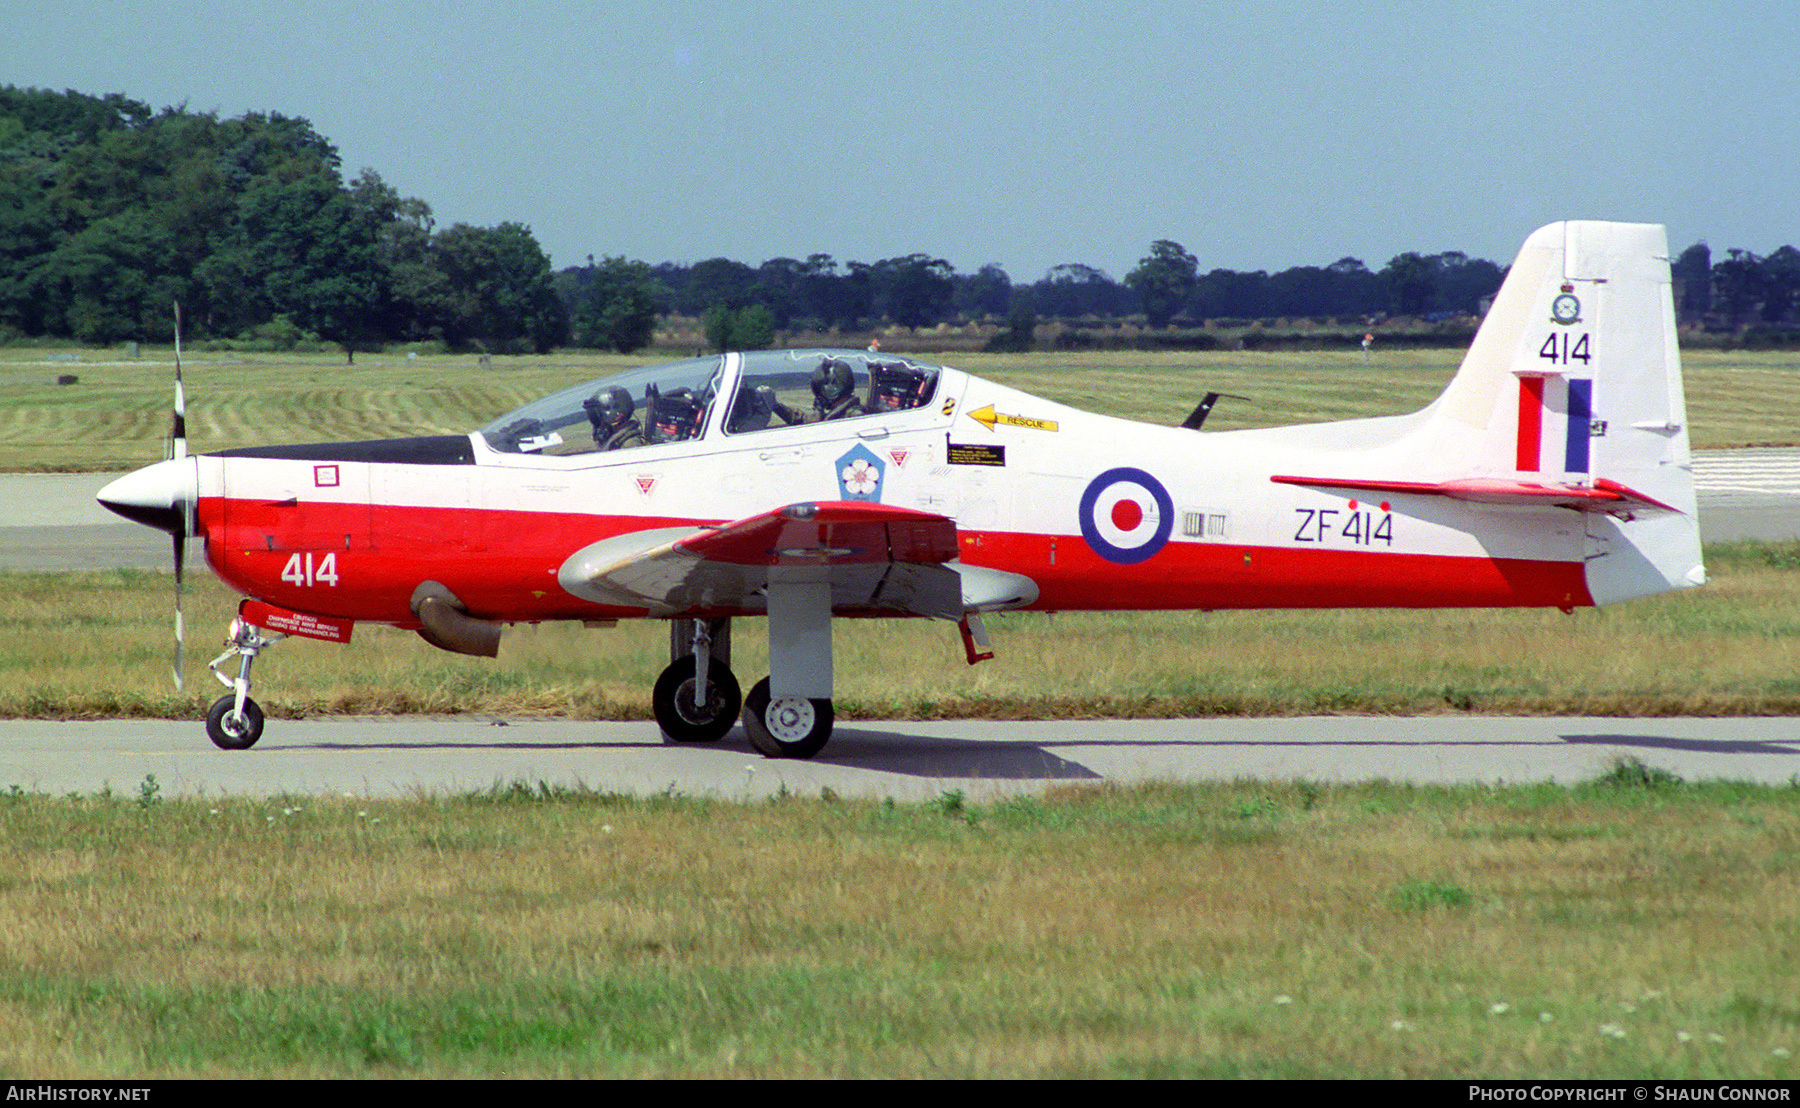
(792, 727)
(228, 729)
(673, 702)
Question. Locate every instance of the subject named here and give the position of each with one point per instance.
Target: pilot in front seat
(834, 391)
(610, 411)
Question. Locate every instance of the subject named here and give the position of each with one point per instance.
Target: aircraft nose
(156, 496)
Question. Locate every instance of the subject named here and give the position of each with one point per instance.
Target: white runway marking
(1724, 477)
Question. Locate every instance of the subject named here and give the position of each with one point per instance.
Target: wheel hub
(790, 719)
(684, 703)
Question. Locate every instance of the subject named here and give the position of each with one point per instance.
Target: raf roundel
(1126, 515)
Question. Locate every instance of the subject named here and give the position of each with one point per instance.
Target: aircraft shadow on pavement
(936, 756)
(851, 748)
(898, 752)
(1694, 746)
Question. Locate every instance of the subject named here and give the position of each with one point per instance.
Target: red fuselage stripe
(503, 564)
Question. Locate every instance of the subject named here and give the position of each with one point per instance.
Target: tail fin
(1570, 397)
(1574, 382)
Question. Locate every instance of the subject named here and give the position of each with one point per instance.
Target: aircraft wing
(878, 559)
(1601, 496)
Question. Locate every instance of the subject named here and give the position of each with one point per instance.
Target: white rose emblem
(860, 478)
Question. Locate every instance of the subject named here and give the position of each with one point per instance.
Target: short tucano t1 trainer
(803, 485)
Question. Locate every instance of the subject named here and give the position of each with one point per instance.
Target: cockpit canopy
(678, 401)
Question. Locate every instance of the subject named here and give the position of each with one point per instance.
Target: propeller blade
(178, 449)
(178, 425)
(180, 631)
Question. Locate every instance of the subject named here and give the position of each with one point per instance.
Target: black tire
(791, 728)
(227, 730)
(672, 700)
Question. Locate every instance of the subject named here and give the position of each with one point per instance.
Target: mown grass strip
(1634, 926)
(116, 416)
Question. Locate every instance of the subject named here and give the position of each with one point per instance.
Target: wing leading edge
(878, 559)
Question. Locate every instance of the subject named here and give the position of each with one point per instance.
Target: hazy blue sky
(1260, 135)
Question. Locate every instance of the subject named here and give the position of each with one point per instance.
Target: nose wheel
(234, 728)
(788, 727)
(235, 721)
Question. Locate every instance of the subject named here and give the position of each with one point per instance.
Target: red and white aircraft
(804, 485)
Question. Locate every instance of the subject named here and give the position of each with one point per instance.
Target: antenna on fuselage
(1198, 415)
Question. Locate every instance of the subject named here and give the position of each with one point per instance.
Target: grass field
(1636, 927)
(99, 645)
(116, 416)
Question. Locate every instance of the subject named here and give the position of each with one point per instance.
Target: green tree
(1693, 272)
(831, 298)
(1164, 281)
(1738, 284)
(1411, 283)
(115, 280)
(713, 281)
(1781, 285)
(618, 307)
(728, 328)
(988, 292)
(914, 291)
(1075, 290)
(1021, 326)
(314, 258)
(778, 288)
(498, 291)
(415, 291)
(753, 328)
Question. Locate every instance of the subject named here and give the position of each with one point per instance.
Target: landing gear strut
(788, 714)
(235, 721)
(697, 699)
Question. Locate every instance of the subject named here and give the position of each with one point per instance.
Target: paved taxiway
(50, 522)
(904, 760)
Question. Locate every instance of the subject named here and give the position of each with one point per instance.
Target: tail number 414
(302, 572)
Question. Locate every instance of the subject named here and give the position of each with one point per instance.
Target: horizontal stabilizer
(1601, 496)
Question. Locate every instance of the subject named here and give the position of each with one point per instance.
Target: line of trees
(110, 211)
(1742, 291)
(918, 290)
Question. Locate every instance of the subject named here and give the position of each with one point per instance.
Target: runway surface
(50, 522)
(904, 760)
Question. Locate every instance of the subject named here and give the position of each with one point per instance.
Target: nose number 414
(302, 572)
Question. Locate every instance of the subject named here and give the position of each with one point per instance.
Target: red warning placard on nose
(271, 618)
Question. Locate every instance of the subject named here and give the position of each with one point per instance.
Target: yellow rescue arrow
(988, 417)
